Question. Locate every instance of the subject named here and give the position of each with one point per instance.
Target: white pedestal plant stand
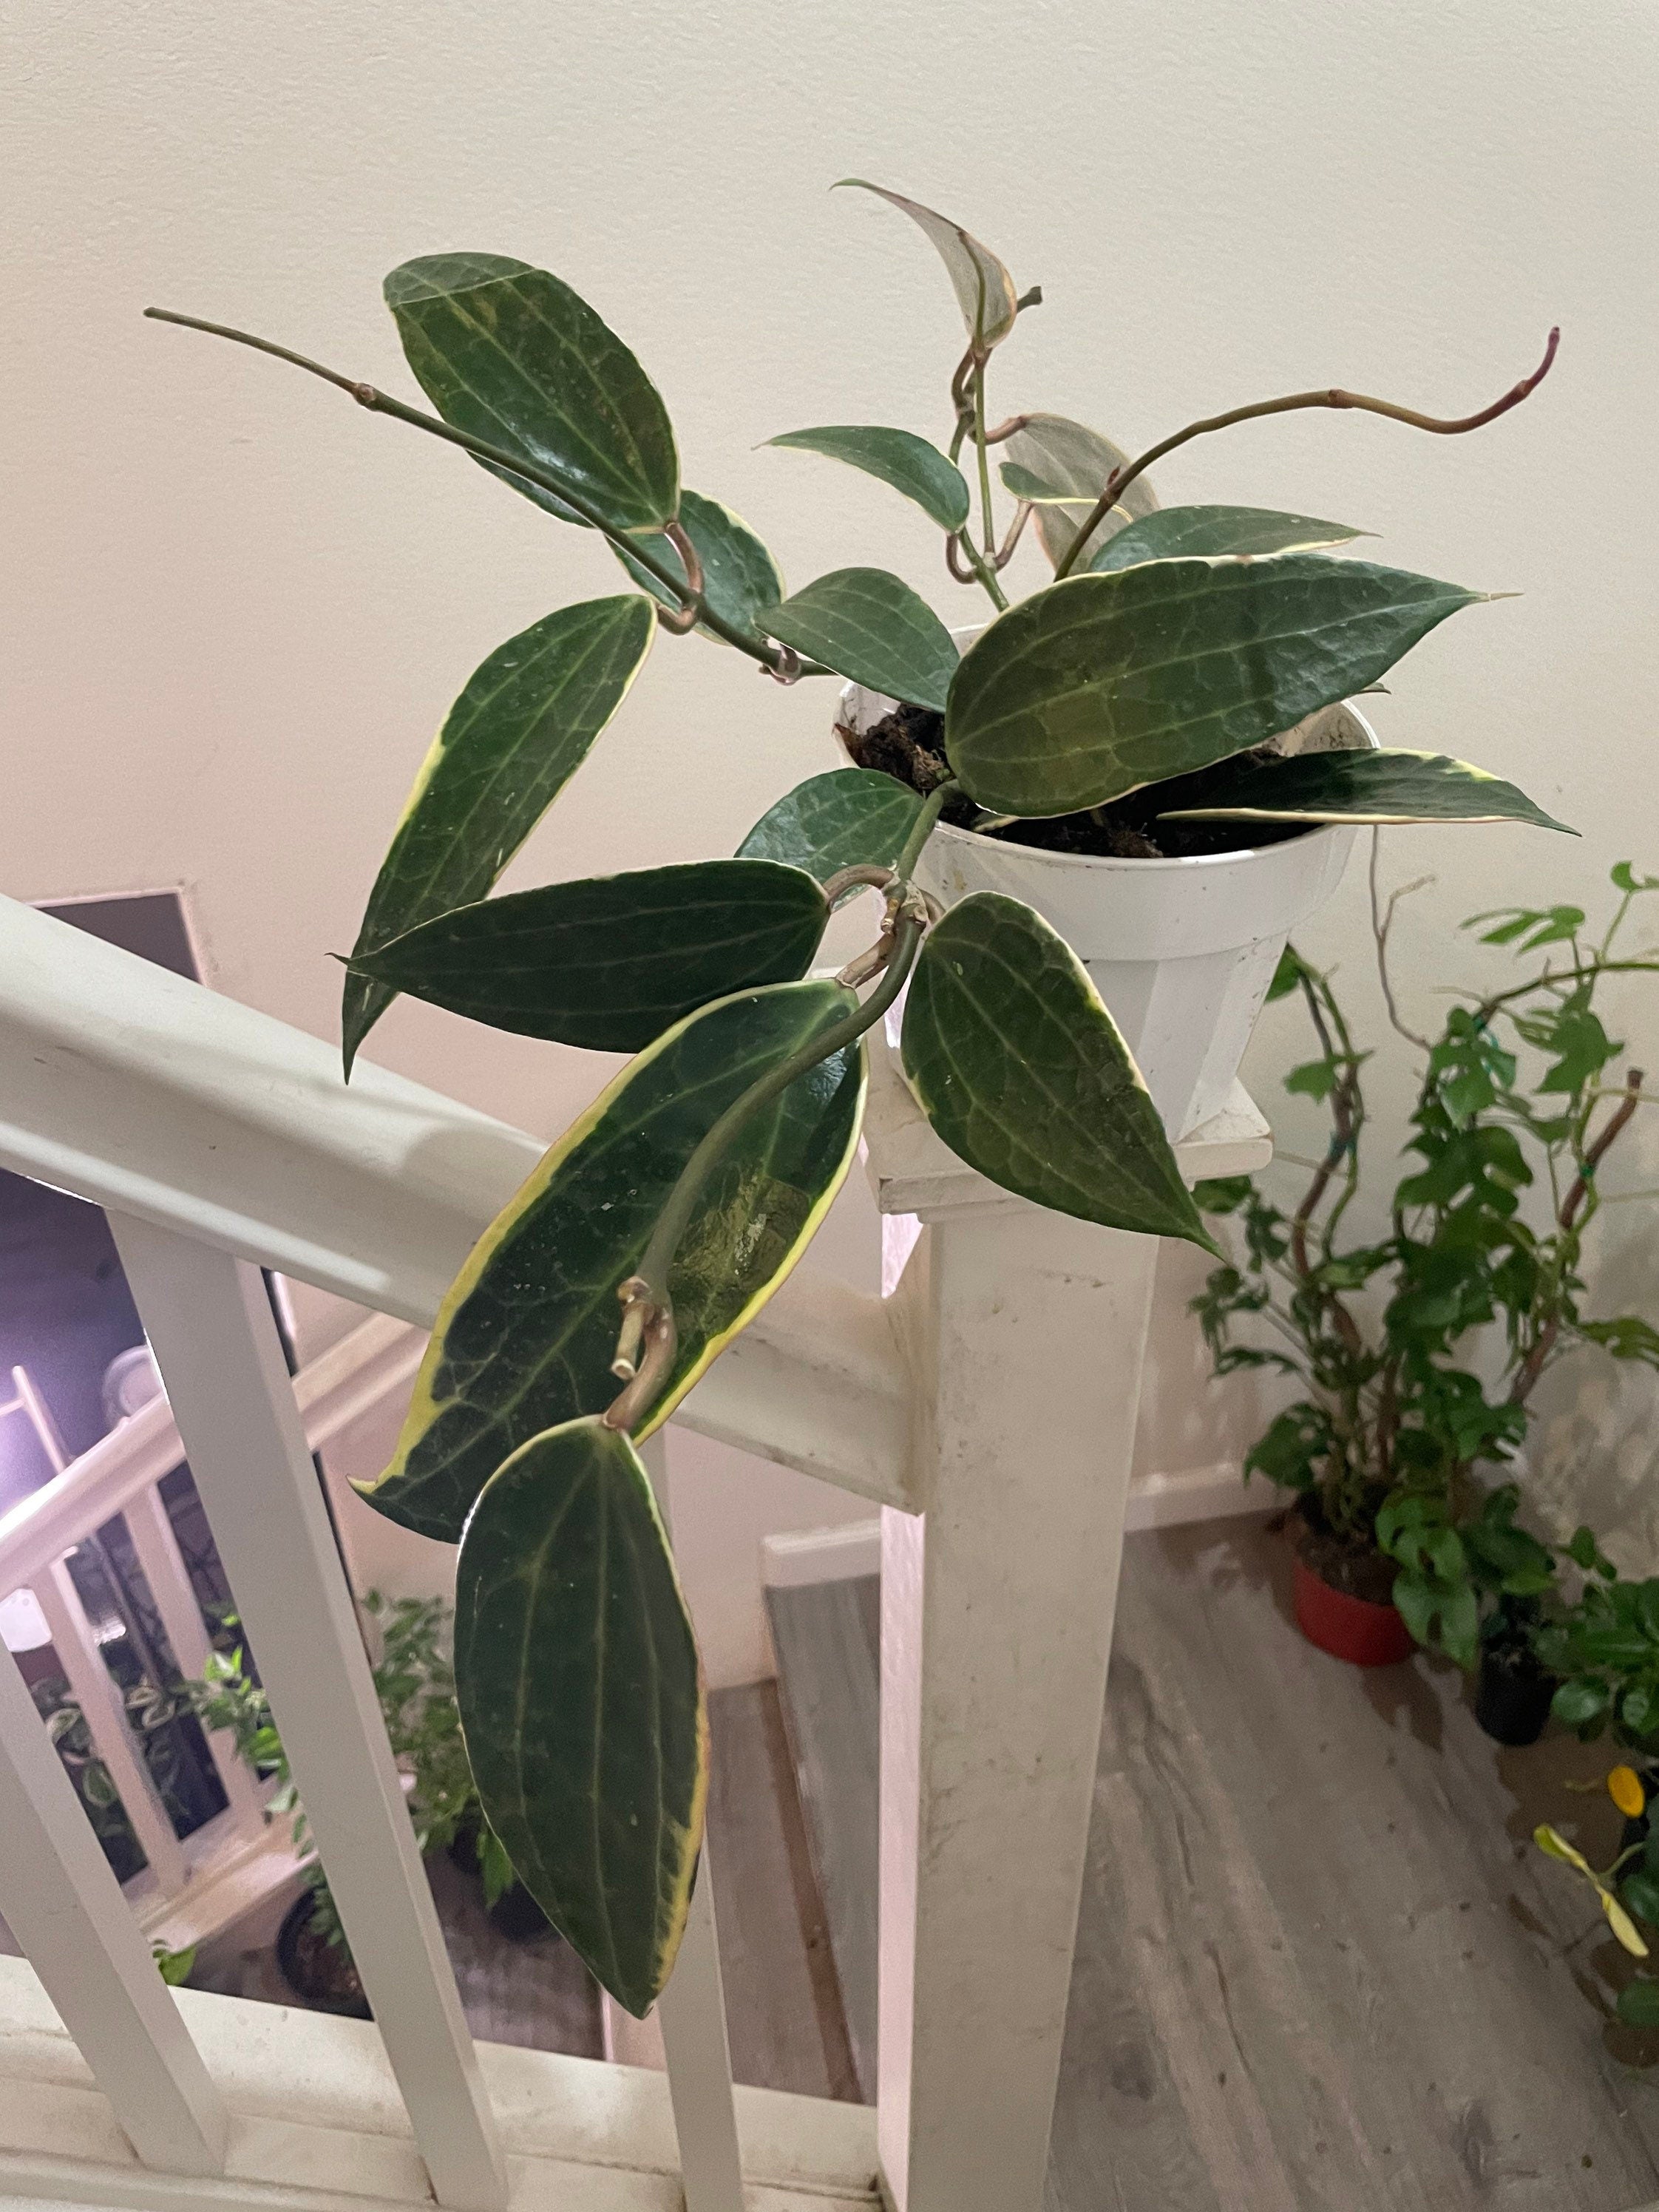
(998, 1595)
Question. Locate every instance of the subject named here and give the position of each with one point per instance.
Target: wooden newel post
(1026, 1332)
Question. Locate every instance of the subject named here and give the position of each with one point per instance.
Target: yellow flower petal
(1625, 1788)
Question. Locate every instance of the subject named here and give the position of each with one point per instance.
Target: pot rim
(1142, 865)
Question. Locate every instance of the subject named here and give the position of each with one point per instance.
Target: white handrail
(145, 1093)
(332, 1391)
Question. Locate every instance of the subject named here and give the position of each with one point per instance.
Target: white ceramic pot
(1182, 952)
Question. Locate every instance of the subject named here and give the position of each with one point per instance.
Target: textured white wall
(238, 606)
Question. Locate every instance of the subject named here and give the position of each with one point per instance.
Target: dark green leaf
(1639, 1892)
(1636, 1709)
(899, 458)
(526, 1336)
(1291, 1451)
(1176, 533)
(1063, 460)
(1288, 975)
(1629, 1337)
(1380, 785)
(1580, 1547)
(1101, 683)
(1021, 1070)
(1584, 1048)
(509, 745)
(1637, 2004)
(1314, 1078)
(849, 818)
(1579, 1701)
(510, 354)
(581, 1701)
(984, 289)
(613, 961)
(867, 625)
(739, 577)
(1222, 1193)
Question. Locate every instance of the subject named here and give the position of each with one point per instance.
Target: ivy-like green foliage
(1517, 1104)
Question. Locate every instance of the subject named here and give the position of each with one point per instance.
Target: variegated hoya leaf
(524, 1339)
(581, 1700)
(509, 745)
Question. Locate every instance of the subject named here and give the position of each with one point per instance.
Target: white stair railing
(987, 1406)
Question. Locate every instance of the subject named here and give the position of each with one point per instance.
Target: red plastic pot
(1350, 1628)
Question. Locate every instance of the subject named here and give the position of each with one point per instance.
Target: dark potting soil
(908, 745)
(1356, 1570)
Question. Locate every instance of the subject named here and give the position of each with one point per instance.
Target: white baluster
(101, 1702)
(64, 1905)
(150, 1527)
(209, 1323)
(692, 2013)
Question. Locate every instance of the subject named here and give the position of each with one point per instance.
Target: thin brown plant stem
(1579, 1191)
(770, 658)
(1382, 923)
(1004, 552)
(1442, 426)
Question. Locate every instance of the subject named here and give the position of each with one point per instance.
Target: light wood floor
(1320, 1966)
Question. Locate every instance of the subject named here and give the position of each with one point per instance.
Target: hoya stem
(501, 457)
(675, 1217)
(922, 828)
(984, 457)
(1443, 426)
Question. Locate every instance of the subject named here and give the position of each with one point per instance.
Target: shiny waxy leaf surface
(1175, 533)
(984, 289)
(512, 355)
(739, 577)
(899, 458)
(613, 961)
(1385, 786)
(849, 816)
(581, 1700)
(869, 625)
(1015, 1060)
(526, 1337)
(1103, 683)
(1060, 460)
(509, 745)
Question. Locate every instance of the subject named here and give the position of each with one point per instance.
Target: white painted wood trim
(1199, 1493)
(796, 1557)
(317, 2124)
(210, 1325)
(62, 1903)
(159, 1099)
(150, 1528)
(101, 1701)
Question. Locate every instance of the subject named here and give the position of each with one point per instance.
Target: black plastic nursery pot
(1512, 1694)
(516, 1915)
(321, 1974)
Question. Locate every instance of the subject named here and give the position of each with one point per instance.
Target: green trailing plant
(1165, 657)
(415, 1685)
(1517, 1108)
(150, 1713)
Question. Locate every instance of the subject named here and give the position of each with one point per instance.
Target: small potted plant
(1400, 1537)
(1158, 671)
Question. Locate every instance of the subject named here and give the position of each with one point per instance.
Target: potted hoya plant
(1401, 1534)
(1152, 681)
